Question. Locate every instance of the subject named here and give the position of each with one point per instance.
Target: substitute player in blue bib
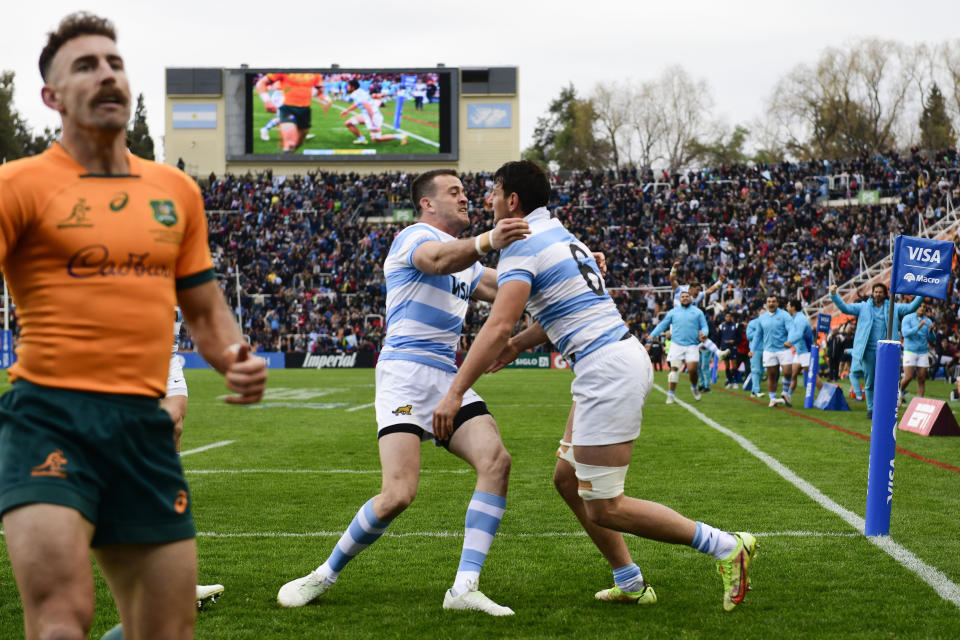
(430, 277)
(755, 338)
(555, 277)
(773, 330)
(800, 338)
(919, 334)
(688, 327)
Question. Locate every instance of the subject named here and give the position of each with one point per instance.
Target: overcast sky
(741, 47)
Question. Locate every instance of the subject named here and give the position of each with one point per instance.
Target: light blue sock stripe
(471, 560)
(626, 574)
(360, 536)
(482, 521)
(372, 519)
(698, 538)
(490, 498)
(338, 559)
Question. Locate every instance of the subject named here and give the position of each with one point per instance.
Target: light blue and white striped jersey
(567, 296)
(424, 312)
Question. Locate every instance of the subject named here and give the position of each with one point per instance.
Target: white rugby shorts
(774, 358)
(677, 353)
(802, 359)
(911, 359)
(610, 387)
(408, 392)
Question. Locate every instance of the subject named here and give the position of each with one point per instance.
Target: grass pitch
(270, 505)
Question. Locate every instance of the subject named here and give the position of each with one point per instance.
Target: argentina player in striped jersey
(430, 277)
(554, 275)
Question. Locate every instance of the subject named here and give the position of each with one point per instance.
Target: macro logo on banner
(921, 266)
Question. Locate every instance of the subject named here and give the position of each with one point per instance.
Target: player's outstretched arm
(220, 342)
(442, 258)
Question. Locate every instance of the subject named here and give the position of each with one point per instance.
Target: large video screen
(351, 115)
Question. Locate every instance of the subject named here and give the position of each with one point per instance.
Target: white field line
(222, 443)
(459, 534)
(390, 126)
(362, 406)
(945, 588)
(351, 471)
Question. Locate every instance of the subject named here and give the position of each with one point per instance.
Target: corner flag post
(921, 266)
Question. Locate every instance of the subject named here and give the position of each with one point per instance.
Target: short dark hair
(72, 26)
(793, 302)
(423, 186)
(527, 180)
(886, 291)
(354, 83)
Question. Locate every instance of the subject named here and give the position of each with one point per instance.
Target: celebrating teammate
(369, 116)
(555, 276)
(430, 278)
(688, 327)
(91, 462)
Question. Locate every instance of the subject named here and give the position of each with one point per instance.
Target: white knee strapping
(565, 452)
(673, 377)
(599, 483)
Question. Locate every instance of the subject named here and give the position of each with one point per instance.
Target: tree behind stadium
(138, 134)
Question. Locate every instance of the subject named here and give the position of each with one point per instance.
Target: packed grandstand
(306, 251)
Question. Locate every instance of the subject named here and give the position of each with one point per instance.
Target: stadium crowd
(309, 249)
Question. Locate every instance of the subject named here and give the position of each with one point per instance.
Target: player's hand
(787, 345)
(750, 353)
(601, 261)
(508, 231)
(444, 414)
(269, 106)
(507, 355)
(833, 289)
(246, 375)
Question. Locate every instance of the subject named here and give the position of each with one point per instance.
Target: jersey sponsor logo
(341, 361)
(181, 502)
(405, 410)
(119, 201)
(94, 260)
(52, 467)
(78, 216)
(164, 212)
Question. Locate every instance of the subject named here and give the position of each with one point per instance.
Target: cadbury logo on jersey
(94, 260)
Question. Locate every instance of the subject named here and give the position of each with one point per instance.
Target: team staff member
(872, 318)
(97, 246)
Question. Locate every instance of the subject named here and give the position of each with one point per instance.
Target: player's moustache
(111, 94)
